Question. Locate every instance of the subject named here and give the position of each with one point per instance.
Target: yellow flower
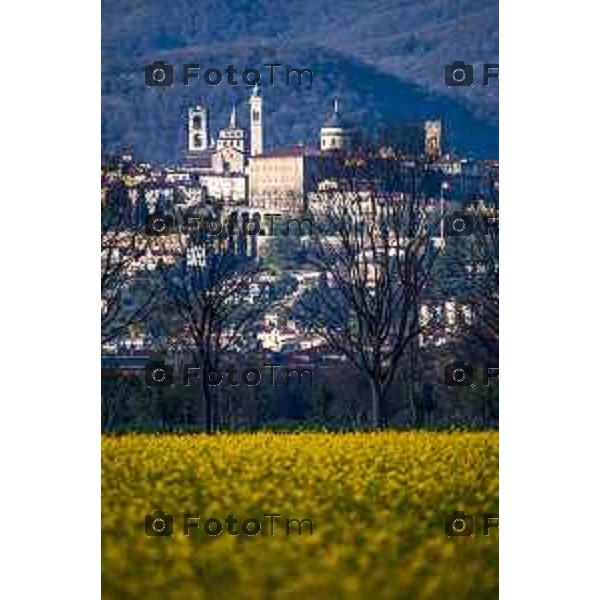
(376, 501)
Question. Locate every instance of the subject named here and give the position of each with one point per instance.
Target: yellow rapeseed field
(377, 503)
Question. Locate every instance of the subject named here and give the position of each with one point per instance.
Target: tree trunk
(255, 410)
(379, 414)
(207, 394)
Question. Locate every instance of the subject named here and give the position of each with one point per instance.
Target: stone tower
(433, 139)
(256, 140)
(197, 129)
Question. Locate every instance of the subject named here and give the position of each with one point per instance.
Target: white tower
(232, 136)
(197, 129)
(230, 153)
(256, 141)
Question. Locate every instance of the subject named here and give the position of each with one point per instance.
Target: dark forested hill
(384, 58)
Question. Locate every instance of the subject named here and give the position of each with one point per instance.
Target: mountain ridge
(382, 71)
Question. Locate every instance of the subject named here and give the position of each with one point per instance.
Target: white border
(49, 443)
(50, 124)
(549, 414)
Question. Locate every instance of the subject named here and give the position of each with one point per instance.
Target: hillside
(384, 59)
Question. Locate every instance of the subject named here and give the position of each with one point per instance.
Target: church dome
(336, 133)
(335, 120)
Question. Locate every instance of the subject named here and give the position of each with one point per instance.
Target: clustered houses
(235, 173)
(285, 338)
(282, 335)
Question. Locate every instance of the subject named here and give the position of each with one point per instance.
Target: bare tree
(484, 285)
(218, 293)
(484, 292)
(125, 289)
(471, 272)
(376, 254)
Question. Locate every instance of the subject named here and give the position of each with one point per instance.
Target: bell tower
(197, 129)
(256, 140)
